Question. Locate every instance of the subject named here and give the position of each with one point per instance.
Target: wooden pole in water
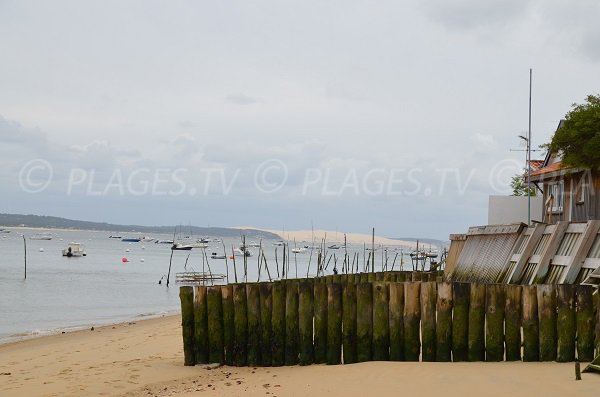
(291, 323)
(234, 268)
(412, 318)
(266, 308)
(305, 321)
(186, 296)
(364, 321)
(278, 324)
(334, 323)
(226, 263)
(477, 323)
(320, 313)
(495, 300)
(254, 329)
(585, 323)
(25, 257)
(531, 333)
(215, 326)
(381, 322)
(546, 295)
(512, 322)
(428, 320)
(240, 325)
(228, 323)
(443, 329)
(201, 324)
(349, 323)
(566, 323)
(396, 317)
(461, 295)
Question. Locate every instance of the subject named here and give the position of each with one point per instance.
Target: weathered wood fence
(373, 317)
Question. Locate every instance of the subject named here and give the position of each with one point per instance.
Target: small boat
(119, 237)
(253, 244)
(41, 236)
(242, 251)
(74, 250)
(131, 239)
(334, 247)
(279, 243)
(214, 255)
(163, 242)
(199, 244)
(203, 240)
(298, 250)
(147, 239)
(4, 231)
(181, 247)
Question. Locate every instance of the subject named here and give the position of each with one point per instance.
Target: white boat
(279, 243)
(74, 250)
(41, 236)
(4, 230)
(298, 250)
(253, 244)
(147, 239)
(182, 247)
(214, 255)
(199, 244)
(163, 242)
(242, 252)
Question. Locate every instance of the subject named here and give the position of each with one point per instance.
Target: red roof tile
(547, 169)
(536, 164)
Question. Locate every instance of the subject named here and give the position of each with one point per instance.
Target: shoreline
(145, 358)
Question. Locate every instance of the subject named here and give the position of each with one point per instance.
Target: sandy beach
(145, 358)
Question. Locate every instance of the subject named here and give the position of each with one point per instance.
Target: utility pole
(529, 155)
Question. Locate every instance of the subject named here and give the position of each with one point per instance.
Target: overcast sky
(347, 115)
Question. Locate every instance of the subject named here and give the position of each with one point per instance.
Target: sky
(342, 115)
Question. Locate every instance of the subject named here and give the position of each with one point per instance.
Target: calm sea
(71, 293)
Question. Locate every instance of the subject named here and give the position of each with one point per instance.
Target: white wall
(512, 209)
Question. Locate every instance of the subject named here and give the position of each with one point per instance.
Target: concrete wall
(511, 209)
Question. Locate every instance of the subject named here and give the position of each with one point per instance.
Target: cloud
(242, 99)
(473, 14)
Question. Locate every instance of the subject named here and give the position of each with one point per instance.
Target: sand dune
(145, 359)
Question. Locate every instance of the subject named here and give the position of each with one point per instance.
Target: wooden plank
(291, 322)
(216, 350)
(381, 320)
(278, 324)
(201, 324)
(476, 350)
(412, 321)
(240, 325)
(334, 323)
(546, 296)
(530, 321)
(495, 300)
(428, 320)
(186, 297)
(585, 323)
(512, 322)
(254, 331)
(320, 337)
(364, 321)
(443, 330)
(266, 309)
(566, 325)
(349, 323)
(461, 296)
(305, 321)
(396, 321)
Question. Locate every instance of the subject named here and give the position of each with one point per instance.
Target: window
(581, 189)
(557, 194)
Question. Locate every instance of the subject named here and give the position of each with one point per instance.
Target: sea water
(63, 293)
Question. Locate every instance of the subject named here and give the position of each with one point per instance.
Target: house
(569, 194)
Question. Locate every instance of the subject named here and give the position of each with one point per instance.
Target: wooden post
(495, 300)
(443, 329)
(228, 323)
(364, 277)
(201, 324)
(477, 323)
(396, 321)
(401, 277)
(412, 320)
(349, 323)
(546, 295)
(215, 326)
(254, 331)
(381, 322)
(531, 330)
(512, 322)
(334, 323)
(585, 323)
(186, 296)
(428, 320)
(266, 308)
(305, 320)
(240, 325)
(278, 324)
(461, 294)
(364, 321)
(320, 338)
(566, 326)
(291, 323)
